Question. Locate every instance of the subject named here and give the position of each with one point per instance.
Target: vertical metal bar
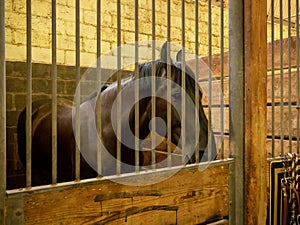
(119, 102)
(289, 78)
(169, 83)
(236, 106)
(197, 97)
(54, 96)
(281, 80)
(209, 80)
(222, 77)
(153, 90)
(136, 86)
(77, 100)
(183, 81)
(298, 77)
(2, 115)
(273, 79)
(29, 94)
(99, 79)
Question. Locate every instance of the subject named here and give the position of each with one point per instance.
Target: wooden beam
(285, 53)
(188, 197)
(255, 61)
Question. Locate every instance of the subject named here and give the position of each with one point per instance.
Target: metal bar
(99, 79)
(236, 105)
(289, 78)
(197, 97)
(28, 94)
(273, 79)
(183, 81)
(281, 81)
(77, 100)
(298, 77)
(54, 96)
(2, 115)
(153, 90)
(136, 84)
(222, 77)
(209, 157)
(169, 162)
(119, 102)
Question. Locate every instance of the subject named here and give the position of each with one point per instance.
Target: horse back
(42, 140)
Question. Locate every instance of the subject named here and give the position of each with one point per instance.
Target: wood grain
(277, 144)
(219, 94)
(255, 62)
(203, 69)
(285, 54)
(216, 120)
(199, 196)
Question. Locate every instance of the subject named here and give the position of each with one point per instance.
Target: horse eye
(176, 96)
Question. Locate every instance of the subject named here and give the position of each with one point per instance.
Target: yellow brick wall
(277, 31)
(41, 29)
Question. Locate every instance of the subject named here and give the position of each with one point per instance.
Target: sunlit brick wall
(41, 28)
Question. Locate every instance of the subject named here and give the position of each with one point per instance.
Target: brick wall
(41, 47)
(41, 28)
(16, 101)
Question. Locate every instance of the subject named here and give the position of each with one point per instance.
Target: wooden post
(255, 61)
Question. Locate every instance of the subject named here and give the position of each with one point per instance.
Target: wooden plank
(218, 94)
(276, 87)
(203, 61)
(286, 119)
(277, 147)
(277, 144)
(255, 58)
(216, 120)
(203, 70)
(196, 201)
(284, 54)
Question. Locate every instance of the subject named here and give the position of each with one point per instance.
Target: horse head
(188, 125)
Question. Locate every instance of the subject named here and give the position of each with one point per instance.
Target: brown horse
(196, 126)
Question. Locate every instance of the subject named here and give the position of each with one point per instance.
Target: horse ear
(164, 52)
(179, 56)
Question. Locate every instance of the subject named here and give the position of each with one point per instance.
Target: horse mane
(145, 71)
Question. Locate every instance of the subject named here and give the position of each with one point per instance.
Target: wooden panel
(277, 89)
(203, 61)
(203, 69)
(284, 54)
(286, 119)
(277, 144)
(277, 147)
(218, 94)
(216, 120)
(199, 196)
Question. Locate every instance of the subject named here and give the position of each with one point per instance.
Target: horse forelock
(145, 71)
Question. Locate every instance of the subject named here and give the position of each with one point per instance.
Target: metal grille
(211, 77)
(283, 78)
